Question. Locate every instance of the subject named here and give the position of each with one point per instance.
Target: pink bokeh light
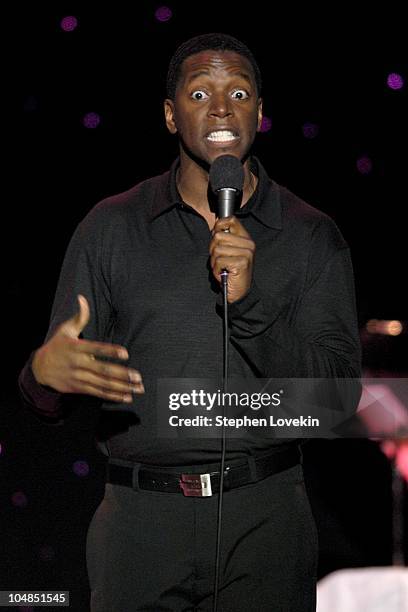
(364, 165)
(91, 120)
(395, 81)
(80, 468)
(266, 124)
(397, 450)
(402, 460)
(19, 499)
(163, 13)
(69, 23)
(310, 130)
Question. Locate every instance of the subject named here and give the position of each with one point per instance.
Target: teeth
(221, 136)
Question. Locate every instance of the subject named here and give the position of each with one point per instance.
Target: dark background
(327, 66)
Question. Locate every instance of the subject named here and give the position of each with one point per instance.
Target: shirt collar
(167, 195)
(264, 204)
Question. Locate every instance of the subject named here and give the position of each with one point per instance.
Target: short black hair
(214, 42)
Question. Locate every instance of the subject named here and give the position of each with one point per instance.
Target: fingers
(104, 379)
(110, 396)
(237, 259)
(233, 226)
(236, 238)
(102, 349)
(106, 387)
(232, 251)
(69, 364)
(233, 248)
(234, 265)
(105, 369)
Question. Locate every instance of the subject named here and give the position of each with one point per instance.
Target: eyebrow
(200, 73)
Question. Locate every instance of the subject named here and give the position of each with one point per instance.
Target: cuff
(45, 400)
(247, 316)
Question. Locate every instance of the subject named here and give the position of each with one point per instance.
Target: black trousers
(153, 551)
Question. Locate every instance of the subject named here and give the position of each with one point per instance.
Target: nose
(220, 105)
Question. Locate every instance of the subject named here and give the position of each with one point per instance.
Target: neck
(192, 184)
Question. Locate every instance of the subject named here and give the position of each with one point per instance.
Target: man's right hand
(69, 364)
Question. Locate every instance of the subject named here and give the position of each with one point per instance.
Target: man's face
(216, 110)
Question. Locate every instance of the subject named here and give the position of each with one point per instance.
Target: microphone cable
(226, 178)
(224, 286)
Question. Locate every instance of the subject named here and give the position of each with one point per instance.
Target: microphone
(227, 181)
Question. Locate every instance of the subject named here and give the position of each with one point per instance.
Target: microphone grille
(226, 172)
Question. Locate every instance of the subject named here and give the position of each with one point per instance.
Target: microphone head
(226, 172)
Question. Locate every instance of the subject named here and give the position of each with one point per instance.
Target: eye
(199, 94)
(240, 94)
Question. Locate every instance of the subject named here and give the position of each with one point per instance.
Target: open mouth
(222, 136)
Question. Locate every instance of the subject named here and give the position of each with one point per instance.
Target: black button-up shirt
(141, 259)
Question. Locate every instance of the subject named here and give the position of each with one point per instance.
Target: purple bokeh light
(19, 499)
(91, 120)
(364, 165)
(266, 124)
(163, 13)
(1, 448)
(69, 23)
(80, 468)
(310, 130)
(395, 81)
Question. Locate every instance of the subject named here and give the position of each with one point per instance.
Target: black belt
(203, 484)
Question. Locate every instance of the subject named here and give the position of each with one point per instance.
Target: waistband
(203, 481)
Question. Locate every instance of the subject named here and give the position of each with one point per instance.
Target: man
(146, 267)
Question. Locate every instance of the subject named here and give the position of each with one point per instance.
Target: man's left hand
(233, 251)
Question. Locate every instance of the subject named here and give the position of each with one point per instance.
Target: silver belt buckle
(196, 485)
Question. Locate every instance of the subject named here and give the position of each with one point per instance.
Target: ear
(169, 116)
(260, 114)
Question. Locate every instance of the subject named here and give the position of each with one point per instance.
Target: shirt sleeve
(82, 272)
(45, 402)
(322, 341)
